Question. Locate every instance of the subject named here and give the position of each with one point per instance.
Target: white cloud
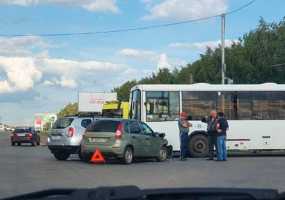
(72, 67)
(102, 5)
(65, 82)
(91, 5)
(49, 83)
(186, 9)
(21, 73)
(69, 73)
(23, 55)
(5, 87)
(163, 62)
(21, 46)
(62, 82)
(139, 54)
(202, 45)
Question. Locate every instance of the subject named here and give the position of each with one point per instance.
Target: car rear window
(85, 123)
(103, 126)
(22, 130)
(112, 113)
(62, 123)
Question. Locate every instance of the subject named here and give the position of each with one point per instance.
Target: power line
(155, 26)
(240, 8)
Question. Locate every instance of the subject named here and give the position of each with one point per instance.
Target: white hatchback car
(65, 136)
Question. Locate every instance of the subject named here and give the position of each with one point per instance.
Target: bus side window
(162, 105)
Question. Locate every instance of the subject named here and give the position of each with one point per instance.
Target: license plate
(21, 134)
(55, 137)
(97, 140)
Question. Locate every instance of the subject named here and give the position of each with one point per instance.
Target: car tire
(80, 156)
(198, 146)
(13, 143)
(85, 157)
(128, 155)
(169, 152)
(162, 154)
(61, 155)
(34, 143)
(38, 141)
(80, 153)
(19, 143)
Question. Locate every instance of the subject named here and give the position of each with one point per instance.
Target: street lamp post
(223, 23)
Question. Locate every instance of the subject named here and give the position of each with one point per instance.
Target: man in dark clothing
(183, 126)
(222, 127)
(212, 133)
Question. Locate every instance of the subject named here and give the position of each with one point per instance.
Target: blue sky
(42, 74)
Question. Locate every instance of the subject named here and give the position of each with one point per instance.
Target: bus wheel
(198, 146)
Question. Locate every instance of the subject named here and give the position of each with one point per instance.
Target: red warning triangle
(97, 157)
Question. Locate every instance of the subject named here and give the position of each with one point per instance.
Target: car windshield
(103, 126)
(62, 123)
(152, 93)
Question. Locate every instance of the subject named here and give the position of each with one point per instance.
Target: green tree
(163, 76)
(123, 91)
(69, 109)
(248, 61)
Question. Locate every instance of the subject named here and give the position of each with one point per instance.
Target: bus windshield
(135, 112)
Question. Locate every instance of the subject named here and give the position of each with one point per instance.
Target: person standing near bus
(183, 126)
(222, 127)
(212, 133)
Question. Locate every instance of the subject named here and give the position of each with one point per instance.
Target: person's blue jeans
(221, 147)
(183, 144)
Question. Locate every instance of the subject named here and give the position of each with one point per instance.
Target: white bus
(256, 113)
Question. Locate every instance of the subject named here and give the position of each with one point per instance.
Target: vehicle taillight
(29, 135)
(70, 132)
(119, 131)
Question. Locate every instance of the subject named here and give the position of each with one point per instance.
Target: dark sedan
(25, 135)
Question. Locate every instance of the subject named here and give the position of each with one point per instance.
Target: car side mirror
(161, 135)
(204, 120)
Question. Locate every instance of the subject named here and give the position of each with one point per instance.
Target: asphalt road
(27, 169)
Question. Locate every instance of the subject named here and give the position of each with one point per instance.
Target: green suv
(124, 139)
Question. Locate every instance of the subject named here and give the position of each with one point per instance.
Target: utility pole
(223, 25)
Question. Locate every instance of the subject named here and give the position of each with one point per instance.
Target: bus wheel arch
(198, 144)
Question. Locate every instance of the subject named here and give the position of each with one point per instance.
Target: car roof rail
(90, 114)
